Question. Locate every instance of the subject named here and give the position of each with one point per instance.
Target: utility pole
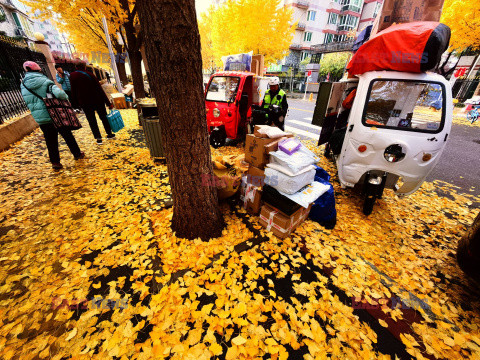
(112, 56)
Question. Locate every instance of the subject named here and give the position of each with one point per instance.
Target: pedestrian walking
(35, 83)
(63, 78)
(89, 95)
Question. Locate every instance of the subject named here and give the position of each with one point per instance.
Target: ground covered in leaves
(89, 268)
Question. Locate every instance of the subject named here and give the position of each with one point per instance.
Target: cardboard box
(128, 90)
(255, 176)
(257, 150)
(251, 196)
(258, 127)
(280, 224)
(119, 101)
(404, 11)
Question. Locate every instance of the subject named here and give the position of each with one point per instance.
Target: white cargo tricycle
(393, 133)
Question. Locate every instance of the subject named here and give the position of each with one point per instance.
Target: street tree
(82, 20)
(468, 252)
(462, 16)
(205, 29)
(333, 64)
(262, 26)
(172, 43)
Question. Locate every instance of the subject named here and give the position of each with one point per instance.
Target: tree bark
(120, 60)
(172, 46)
(468, 252)
(137, 76)
(135, 57)
(122, 72)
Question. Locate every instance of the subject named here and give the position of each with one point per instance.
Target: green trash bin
(150, 122)
(151, 128)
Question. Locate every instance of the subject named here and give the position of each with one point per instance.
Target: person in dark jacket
(37, 83)
(89, 95)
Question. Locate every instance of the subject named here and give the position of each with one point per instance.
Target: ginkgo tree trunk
(468, 252)
(172, 47)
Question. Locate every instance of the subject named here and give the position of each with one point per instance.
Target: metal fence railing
(12, 56)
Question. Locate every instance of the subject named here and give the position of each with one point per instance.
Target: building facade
(52, 36)
(14, 22)
(327, 22)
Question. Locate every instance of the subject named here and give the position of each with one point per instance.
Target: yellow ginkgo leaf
(239, 340)
(216, 349)
(72, 334)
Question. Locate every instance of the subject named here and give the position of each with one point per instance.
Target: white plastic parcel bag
(296, 161)
(308, 194)
(280, 180)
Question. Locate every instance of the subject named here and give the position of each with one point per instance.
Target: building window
(307, 36)
(332, 18)
(311, 15)
(304, 55)
(3, 16)
(328, 38)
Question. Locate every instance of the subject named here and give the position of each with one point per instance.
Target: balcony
(300, 26)
(345, 27)
(303, 4)
(295, 46)
(330, 28)
(334, 7)
(333, 47)
(352, 8)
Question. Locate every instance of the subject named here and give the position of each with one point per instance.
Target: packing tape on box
(269, 220)
(250, 192)
(292, 225)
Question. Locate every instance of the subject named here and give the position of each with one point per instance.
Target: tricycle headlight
(216, 112)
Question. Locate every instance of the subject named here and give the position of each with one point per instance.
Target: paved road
(460, 162)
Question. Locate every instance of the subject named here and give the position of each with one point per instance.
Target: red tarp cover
(399, 47)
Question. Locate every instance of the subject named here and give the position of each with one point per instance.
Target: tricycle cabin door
(406, 117)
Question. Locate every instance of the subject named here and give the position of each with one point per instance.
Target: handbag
(61, 111)
(115, 120)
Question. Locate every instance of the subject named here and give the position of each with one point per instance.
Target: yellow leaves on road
(100, 229)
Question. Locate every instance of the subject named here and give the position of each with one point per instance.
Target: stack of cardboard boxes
(257, 150)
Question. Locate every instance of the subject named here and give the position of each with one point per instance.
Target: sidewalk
(100, 229)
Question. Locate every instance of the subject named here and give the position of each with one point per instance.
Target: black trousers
(51, 138)
(71, 99)
(89, 111)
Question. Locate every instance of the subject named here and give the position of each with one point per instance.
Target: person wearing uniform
(275, 96)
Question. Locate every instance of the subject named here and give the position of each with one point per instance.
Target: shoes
(99, 142)
(80, 157)
(57, 166)
(111, 136)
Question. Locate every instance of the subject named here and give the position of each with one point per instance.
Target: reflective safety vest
(277, 99)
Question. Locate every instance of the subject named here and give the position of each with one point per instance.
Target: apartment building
(327, 21)
(52, 36)
(14, 22)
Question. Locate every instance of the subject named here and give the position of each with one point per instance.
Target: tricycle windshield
(223, 88)
(405, 105)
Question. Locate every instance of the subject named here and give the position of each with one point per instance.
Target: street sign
(309, 73)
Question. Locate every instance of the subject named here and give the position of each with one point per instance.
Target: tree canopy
(463, 18)
(262, 26)
(333, 64)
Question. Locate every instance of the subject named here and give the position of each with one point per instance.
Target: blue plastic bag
(323, 209)
(115, 120)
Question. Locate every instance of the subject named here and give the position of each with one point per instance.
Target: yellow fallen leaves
(239, 340)
(72, 334)
(99, 228)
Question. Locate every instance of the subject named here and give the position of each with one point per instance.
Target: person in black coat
(89, 95)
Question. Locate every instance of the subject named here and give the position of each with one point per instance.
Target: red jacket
(86, 90)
